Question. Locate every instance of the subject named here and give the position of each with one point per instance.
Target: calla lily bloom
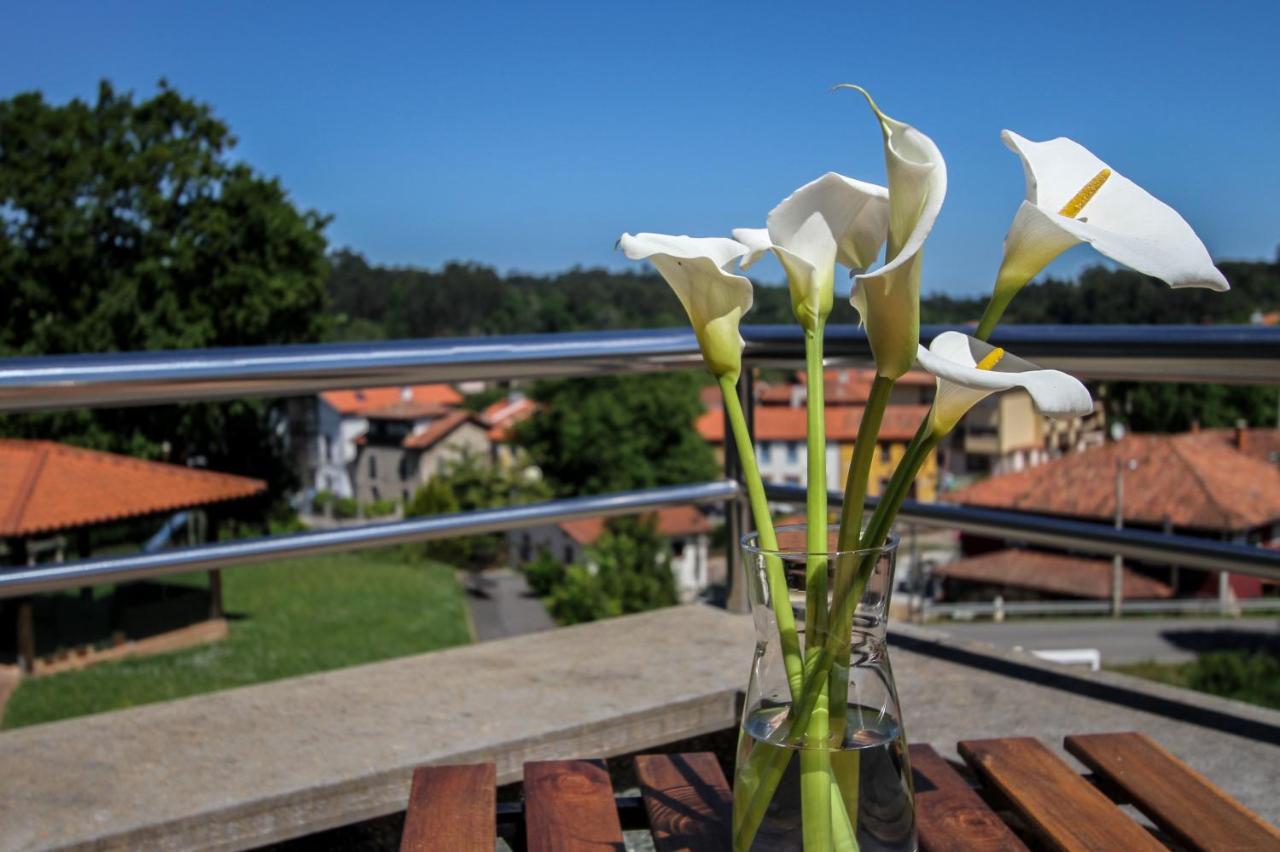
(1073, 197)
(697, 268)
(969, 370)
(834, 218)
(888, 300)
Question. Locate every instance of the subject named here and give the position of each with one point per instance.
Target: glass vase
(822, 757)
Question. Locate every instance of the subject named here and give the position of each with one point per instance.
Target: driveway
(1125, 640)
(503, 605)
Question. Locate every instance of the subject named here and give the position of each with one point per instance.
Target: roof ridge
(1176, 446)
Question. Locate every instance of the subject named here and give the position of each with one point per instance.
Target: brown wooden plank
(1187, 806)
(950, 816)
(688, 800)
(1064, 809)
(452, 809)
(568, 806)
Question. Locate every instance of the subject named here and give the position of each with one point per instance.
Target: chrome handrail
(116, 569)
(1235, 354)
(1244, 354)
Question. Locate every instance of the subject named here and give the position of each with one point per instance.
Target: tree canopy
(125, 225)
(616, 433)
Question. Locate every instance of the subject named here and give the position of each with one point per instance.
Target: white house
(685, 527)
(326, 430)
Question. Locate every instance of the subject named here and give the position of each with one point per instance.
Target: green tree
(470, 482)
(616, 433)
(629, 571)
(125, 225)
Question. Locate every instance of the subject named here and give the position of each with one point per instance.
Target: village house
(685, 527)
(408, 442)
(1221, 483)
(57, 500)
(782, 452)
(501, 418)
(326, 427)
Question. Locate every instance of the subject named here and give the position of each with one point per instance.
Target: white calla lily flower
(888, 300)
(1073, 197)
(834, 218)
(697, 268)
(969, 370)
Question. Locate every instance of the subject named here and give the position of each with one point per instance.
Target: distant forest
(379, 302)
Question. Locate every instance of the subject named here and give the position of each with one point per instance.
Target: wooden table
(1026, 798)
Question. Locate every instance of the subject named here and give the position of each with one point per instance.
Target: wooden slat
(688, 800)
(452, 809)
(950, 816)
(1187, 806)
(568, 806)
(1064, 809)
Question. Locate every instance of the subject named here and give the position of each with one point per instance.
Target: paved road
(1127, 640)
(503, 605)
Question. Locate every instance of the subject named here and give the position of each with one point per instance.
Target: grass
(1245, 675)
(289, 618)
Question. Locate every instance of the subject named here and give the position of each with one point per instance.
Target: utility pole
(1117, 561)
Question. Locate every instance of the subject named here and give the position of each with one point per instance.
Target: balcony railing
(1235, 354)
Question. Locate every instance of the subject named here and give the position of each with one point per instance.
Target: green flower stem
(779, 595)
(855, 494)
(995, 309)
(815, 781)
(818, 664)
(815, 613)
(815, 759)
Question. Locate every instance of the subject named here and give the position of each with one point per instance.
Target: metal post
(1117, 561)
(737, 516)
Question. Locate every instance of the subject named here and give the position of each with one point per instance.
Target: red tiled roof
(776, 423)
(841, 386)
(46, 486)
(1054, 573)
(437, 430)
(1195, 479)
(410, 409)
(360, 400)
(1261, 444)
(673, 521)
(502, 416)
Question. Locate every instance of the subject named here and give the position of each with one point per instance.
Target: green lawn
(289, 618)
(1252, 676)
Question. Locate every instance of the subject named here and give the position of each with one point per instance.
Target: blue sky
(528, 136)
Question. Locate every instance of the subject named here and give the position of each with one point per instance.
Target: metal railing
(1243, 354)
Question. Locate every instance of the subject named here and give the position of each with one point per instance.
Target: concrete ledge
(249, 766)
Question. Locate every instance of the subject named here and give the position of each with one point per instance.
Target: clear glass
(860, 746)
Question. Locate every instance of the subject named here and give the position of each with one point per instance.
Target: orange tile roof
(783, 423)
(46, 486)
(359, 400)
(402, 409)
(502, 416)
(1054, 573)
(841, 386)
(437, 430)
(673, 521)
(1196, 479)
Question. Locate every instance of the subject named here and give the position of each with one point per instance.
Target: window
(407, 496)
(884, 453)
(793, 479)
(328, 448)
(406, 468)
(377, 495)
(373, 466)
(568, 554)
(766, 448)
(793, 452)
(884, 485)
